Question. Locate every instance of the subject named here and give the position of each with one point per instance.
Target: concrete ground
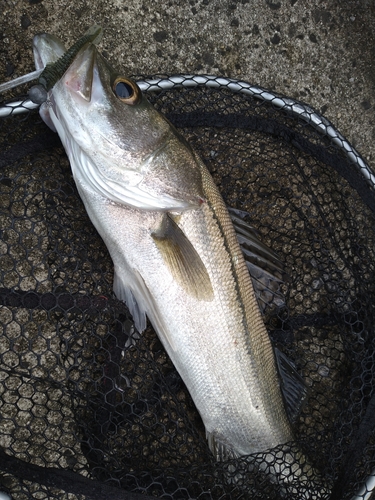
(318, 51)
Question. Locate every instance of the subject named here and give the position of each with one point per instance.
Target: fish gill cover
(88, 413)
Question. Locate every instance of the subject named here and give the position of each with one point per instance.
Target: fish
(176, 254)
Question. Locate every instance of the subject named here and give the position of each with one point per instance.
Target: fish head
(118, 144)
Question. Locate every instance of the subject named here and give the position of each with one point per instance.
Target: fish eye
(126, 90)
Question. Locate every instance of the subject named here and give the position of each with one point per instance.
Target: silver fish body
(175, 252)
(229, 372)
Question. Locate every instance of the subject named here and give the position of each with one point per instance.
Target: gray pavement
(321, 52)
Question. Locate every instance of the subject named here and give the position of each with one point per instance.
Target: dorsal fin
(265, 268)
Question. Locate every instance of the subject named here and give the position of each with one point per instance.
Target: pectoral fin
(182, 260)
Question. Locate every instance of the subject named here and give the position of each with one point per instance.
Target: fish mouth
(79, 76)
(49, 46)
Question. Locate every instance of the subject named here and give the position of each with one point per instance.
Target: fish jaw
(135, 156)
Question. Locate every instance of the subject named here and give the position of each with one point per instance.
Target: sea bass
(176, 255)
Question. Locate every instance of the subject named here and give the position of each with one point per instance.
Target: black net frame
(83, 412)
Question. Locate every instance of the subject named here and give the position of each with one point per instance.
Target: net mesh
(85, 412)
